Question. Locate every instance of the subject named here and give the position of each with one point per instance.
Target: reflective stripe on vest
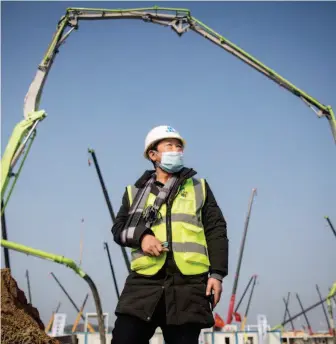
(188, 239)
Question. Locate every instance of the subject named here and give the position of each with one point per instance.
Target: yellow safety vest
(188, 238)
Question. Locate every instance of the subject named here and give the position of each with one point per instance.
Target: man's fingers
(156, 248)
(155, 251)
(218, 292)
(209, 288)
(217, 296)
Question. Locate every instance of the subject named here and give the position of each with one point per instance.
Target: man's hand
(215, 286)
(151, 245)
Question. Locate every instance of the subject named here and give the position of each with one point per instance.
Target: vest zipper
(168, 224)
(168, 221)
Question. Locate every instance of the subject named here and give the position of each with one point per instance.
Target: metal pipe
(324, 310)
(112, 270)
(58, 307)
(331, 225)
(70, 264)
(75, 324)
(108, 202)
(304, 314)
(287, 311)
(249, 303)
(245, 291)
(47, 329)
(242, 245)
(28, 284)
(284, 317)
(4, 235)
(71, 300)
(66, 293)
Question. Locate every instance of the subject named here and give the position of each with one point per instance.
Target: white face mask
(171, 162)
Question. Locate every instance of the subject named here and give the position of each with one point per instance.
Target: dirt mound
(20, 321)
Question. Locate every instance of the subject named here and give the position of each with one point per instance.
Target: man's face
(166, 145)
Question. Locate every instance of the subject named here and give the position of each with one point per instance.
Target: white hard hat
(160, 133)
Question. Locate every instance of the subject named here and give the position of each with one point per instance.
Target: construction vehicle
(178, 19)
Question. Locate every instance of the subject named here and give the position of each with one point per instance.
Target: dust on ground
(20, 321)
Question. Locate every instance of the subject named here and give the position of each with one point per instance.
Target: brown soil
(20, 321)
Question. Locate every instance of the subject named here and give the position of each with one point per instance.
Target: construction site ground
(20, 321)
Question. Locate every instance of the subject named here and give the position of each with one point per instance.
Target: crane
(178, 19)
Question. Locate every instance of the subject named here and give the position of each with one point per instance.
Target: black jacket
(185, 297)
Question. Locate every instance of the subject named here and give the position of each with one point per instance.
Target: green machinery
(70, 264)
(178, 19)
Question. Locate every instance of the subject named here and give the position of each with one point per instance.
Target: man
(179, 245)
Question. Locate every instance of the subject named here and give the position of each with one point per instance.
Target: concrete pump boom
(180, 20)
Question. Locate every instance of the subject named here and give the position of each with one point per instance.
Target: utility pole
(112, 270)
(108, 202)
(4, 235)
(304, 314)
(28, 284)
(242, 245)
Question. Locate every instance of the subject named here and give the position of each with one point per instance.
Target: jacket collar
(185, 173)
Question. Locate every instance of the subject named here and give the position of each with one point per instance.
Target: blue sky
(114, 80)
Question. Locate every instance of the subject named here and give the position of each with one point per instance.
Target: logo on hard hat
(170, 130)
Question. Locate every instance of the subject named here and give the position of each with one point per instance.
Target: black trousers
(132, 330)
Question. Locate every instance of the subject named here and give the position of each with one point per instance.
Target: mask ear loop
(156, 164)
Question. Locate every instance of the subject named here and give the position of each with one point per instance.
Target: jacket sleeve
(132, 240)
(216, 236)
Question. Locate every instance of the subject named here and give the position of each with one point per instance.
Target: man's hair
(154, 147)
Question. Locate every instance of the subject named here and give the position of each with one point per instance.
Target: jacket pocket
(196, 258)
(143, 263)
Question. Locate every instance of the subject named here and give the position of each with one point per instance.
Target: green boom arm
(70, 264)
(180, 20)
